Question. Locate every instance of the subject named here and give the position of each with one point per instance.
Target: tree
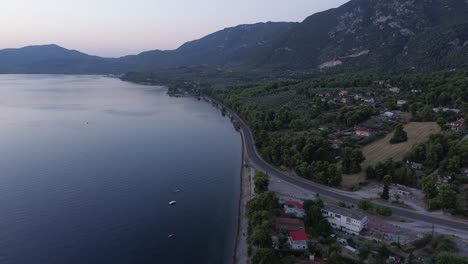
(261, 237)
(429, 187)
(397, 197)
(386, 188)
(264, 256)
(384, 211)
(365, 205)
(399, 136)
(324, 228)
(313, 216)
(352, 159)
(451, 258)
(442, 123)
(447, 197)
(261, 182)
(385, 192)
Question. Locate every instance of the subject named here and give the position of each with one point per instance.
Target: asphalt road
(254, 159)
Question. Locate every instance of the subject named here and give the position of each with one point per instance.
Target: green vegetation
(398, 173)
(261, 182)
(433, 151)
(384, 211)
(399, 135)
(387, 180)
(365, 205)
(352, 159)
(443, 197)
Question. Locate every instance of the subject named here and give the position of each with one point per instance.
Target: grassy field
(382, 150)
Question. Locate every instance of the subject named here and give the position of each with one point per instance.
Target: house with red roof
(364, 131)
(298, 240)
(293, 208)
(458, 125)
(336, 143)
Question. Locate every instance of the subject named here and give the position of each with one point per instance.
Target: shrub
(384, 211)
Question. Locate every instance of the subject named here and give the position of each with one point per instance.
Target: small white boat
(170, 236)
(172, 202)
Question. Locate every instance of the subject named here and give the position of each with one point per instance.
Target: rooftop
(298, 235)
(293, 203)
(289, 224)
(355, 214)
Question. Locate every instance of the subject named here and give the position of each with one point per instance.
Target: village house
(364, 132)
(343, 219)
(388, 115)
(416, 90)
(442, 179)
(344, 100)
(464, 172)
(289, 224)
(458, 125)
(298, 240)
(343, 93)
(336, 143)
(369, 100)
(414, 165)
(357, 97)
(401, 102)
(445, 109)
(394, 89)
(293, 208)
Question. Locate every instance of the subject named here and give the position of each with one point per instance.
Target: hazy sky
(121, 27)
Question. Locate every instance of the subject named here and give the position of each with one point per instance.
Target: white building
(389, 115)
(297, 240)
(394, 89)
(346, 220)
(401, 102)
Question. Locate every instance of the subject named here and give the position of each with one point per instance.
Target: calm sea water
(88, 165)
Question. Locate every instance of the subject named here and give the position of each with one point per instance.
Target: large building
(346, 220)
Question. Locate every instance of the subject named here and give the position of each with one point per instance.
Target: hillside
(385, 35)
(53, 59)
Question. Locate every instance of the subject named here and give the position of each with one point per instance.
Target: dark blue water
(89, 164)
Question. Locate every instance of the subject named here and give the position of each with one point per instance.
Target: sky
(113, 28)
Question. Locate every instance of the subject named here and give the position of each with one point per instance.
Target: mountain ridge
(360, 35)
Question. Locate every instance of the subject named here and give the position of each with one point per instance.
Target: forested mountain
(240, 45)
(53, 59)
(361, 35)
(379, 34)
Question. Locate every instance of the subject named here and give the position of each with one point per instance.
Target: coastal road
(253, 158)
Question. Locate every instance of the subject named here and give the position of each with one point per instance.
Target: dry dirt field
(382, 150)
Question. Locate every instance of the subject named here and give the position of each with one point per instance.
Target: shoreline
(240, 242)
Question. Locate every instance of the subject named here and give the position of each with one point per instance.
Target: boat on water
(170, 236)
(172, 202)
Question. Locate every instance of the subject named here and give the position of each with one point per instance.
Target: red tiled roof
(365, 129)
(289, 224)
(336, 141)
(298, 235)
(294, 203)
(458, 123)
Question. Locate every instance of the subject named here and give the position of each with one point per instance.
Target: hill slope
(379, 34)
